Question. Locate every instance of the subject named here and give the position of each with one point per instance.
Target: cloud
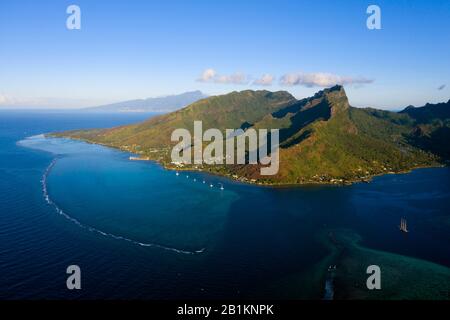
(441, 87)
(235, 78)
(211, 76)
(10, 101)
(3, 99)
(207, 75)
(7, 100)
(319, 79)
(265, 80)
(48, 102)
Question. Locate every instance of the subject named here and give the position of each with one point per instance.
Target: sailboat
(403, 226)
(221, 186)
(177, 173)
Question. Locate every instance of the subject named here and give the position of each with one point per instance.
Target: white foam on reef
(28, 141)
(37, 136)
(94, 230)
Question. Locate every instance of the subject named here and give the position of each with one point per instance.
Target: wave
(95, 230)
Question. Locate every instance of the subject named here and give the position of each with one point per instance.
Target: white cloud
(235, 78)
(211, 76)
(7, 100)
(207, 75)
(48, 102)
(265, 80)
(3, 99)
(320, 79)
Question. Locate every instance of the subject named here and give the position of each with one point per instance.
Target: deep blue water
(139, 231)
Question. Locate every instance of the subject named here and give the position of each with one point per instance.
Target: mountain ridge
(156, 104)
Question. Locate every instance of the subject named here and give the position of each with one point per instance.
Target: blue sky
(138, 49)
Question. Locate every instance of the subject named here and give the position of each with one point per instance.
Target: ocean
(138, 231)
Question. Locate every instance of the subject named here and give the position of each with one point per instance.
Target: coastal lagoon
(139, 231)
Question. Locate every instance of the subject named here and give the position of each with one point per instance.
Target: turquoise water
(102, 190)
(140, 231)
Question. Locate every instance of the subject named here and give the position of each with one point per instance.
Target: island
(323, 139)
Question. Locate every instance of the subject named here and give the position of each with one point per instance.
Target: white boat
(403, 226)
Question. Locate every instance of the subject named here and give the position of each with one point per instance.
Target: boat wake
(94, 230)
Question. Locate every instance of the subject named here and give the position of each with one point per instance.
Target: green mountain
(233, 110)
(432, 130)
(322, 138)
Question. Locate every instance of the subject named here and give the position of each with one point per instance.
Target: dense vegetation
(323, 139)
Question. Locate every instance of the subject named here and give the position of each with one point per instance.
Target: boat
(221, 186)
(132, 158)
(177, 174)
(403, 226)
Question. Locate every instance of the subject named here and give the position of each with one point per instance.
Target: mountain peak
(335, 96)
(337, 87)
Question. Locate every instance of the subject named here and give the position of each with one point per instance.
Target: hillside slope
(432, 128)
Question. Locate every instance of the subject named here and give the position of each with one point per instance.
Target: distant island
(323, 140)
(158, 104)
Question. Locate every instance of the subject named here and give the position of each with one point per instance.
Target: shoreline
(138, 157)
(303, 184)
